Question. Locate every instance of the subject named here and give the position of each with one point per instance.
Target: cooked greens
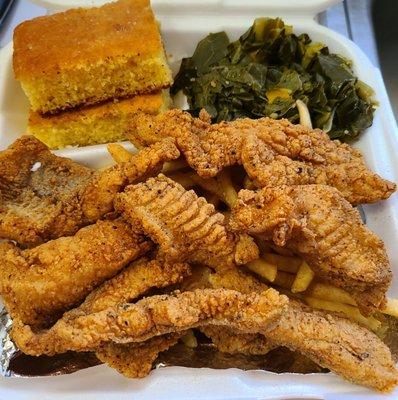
(266, 70)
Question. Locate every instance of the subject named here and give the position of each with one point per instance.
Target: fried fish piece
(185, 226)
(317, 223)
(135, 360)
(229, 341)
(338, 344)
(153, 316)
(39, 284)
(100, 193)
(132, 282)
(273, 152)
(44, 197)
(328, 339)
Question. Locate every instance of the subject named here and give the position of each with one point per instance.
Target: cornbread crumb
(85, 56)
(103, 123)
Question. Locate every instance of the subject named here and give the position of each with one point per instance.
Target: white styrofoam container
(183, 24)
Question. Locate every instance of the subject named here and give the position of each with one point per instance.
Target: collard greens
(266, 70)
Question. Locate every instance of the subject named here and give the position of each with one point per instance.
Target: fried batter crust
(100, 193)
(186, 227)
(134, 281)
(338, 344)
(273, 152)
(135, 360)
(153, 316)
(330, 340)
(44, 197)
(39, 284)
(317, 223)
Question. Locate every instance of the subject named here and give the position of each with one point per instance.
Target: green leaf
(266, 70)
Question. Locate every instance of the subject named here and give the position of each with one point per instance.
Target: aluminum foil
(7, 347)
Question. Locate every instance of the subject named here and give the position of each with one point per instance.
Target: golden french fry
(284, 263)
(119, 153)
(183, 179)
(175, 165)
(391, 307)
(263, 268)
(351, 312)
(230, 196)
(328, 292)
(189, 339)
(249, 184)
(303, 278)
(210, 184)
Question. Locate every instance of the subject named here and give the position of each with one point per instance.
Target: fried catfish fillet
(329, 340)
(273, 152)
(317, 223)
(229, 341)
(44, 197)
(133, 360)
(153, 316)
(132, 282)
(185, 226)
(39, 284)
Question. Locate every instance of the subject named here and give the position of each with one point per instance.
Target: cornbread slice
(103, 123)
(85, 56)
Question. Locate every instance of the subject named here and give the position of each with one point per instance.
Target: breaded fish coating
(328, 339)
(44, 197)
(100, 193)
(184, 225)
(338, 344)
(135, 360)
(134, 281)
(153, 316)
(273, 152)
(229, 341)
(39, 284)
(317, 223)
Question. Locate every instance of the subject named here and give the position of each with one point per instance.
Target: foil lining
(7, 348)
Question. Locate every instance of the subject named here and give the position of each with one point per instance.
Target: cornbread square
(103, 123)
(84, 56)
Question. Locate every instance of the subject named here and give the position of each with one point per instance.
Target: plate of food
(189, 199)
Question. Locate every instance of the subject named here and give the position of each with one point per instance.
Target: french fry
(263, 268)
(350, 311)
(391, 307)
(230, 196)
(303, 278)
(183, 179)
(330, 293)
(210, 184)
(248, 184)
(175, 165)
(284, 263)
(119, 153)
(189, 339)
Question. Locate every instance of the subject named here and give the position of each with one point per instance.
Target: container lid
(301, 7)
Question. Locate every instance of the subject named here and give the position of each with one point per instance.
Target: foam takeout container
(183, 24)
